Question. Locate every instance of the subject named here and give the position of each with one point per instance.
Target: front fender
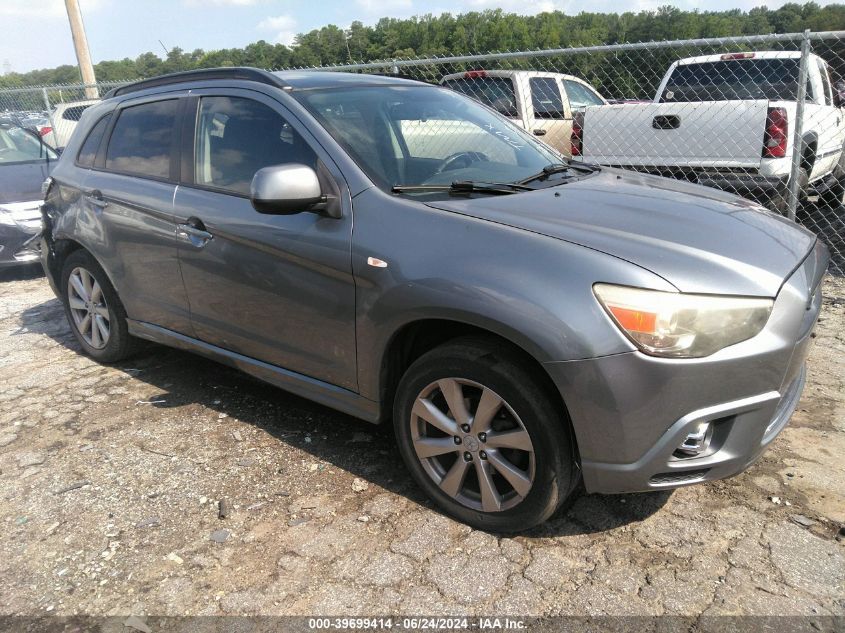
(533, 290)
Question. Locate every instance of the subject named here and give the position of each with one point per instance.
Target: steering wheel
(459, 160)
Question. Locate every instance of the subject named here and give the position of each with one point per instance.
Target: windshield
(416, 135)
(737, 79)
(20, 146)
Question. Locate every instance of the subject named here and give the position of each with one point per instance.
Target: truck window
(546, 99)
(496, 92)
(736, 79)
(580, 96)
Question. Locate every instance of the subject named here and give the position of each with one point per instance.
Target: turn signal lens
(680, 325)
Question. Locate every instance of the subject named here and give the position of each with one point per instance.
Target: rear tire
(513, 464)
(832, 198)
(779, 203)
(93, 309)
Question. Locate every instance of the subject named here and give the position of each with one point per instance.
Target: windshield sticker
(507, 139)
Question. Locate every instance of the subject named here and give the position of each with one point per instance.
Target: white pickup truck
(543, 103)
(728, 121)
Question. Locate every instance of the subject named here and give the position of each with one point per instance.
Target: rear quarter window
(88, 153)
(496, 92)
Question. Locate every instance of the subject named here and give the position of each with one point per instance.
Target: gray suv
(396, 250)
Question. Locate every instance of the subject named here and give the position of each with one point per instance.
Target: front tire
(484, 440)
(93, 309)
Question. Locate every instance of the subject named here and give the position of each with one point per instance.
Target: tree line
(447, 34)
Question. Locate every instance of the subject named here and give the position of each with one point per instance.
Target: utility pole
(80, 44)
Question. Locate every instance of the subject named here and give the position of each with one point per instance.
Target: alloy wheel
(472, 444)
(88, 307)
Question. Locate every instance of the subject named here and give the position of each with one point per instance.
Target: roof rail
(242, 72)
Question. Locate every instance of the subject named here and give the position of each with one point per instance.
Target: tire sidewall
(552, 446)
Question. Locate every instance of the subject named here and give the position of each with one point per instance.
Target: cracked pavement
(112, 478)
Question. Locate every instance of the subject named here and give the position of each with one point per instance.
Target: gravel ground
(112, 478)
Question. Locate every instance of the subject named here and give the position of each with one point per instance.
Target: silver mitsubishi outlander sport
(398, 251)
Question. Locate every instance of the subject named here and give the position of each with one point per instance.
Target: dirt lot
(111, 478)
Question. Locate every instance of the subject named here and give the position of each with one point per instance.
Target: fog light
(696, 442)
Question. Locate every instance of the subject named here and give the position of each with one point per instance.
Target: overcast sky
(36, 33)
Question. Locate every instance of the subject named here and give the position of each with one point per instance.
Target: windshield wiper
(558, 168)
(465, 186)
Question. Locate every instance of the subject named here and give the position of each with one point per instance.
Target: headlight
(681, 325)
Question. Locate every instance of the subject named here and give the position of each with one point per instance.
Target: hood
(698, 239)
(21, 182)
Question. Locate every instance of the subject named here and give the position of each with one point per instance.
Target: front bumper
(630, 412)
(19, 244)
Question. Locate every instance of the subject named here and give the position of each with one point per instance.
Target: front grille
(686, 476)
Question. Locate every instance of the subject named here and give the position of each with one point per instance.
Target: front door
(277, 288)
(549, 117)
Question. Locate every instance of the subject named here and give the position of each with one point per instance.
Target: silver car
(400, 252)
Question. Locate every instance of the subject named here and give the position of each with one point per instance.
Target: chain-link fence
(760, 116)
(51, 111)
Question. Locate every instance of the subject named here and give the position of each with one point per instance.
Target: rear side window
(89, 148)
(142, 139)
(236, 137)
(579, 95)
(546, 99)
(74, 113)
(496, 92)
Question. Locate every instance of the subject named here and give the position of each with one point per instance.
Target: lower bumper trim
(748, 426)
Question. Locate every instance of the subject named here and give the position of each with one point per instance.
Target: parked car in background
(542, 103)
(25, 163)
(64, 117)
(727, 121)
(523, 322)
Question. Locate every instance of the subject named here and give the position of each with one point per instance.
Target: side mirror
(838, 94)
(285, 189)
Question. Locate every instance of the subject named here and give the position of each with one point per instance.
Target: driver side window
(236, 137)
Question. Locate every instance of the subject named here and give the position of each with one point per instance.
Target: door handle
(95, 198)
(193, 231)
(666, 122)
(539, 132)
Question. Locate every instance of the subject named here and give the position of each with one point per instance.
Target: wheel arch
(62, 248)
(809, 147)
(417, 337)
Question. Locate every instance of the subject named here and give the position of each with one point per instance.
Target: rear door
(823, 120)
(276, 288)
(549, 115)
(691, 134)
(130, 188)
